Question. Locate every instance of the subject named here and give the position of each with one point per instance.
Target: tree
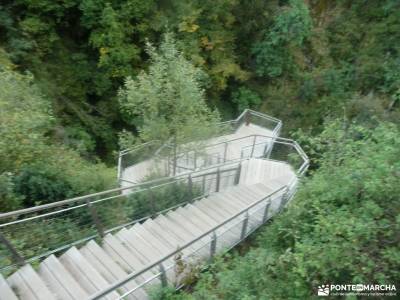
(33, 167)
(245, 98)
(116, 52)
(291, 27)
(26, 117)
(168, 101)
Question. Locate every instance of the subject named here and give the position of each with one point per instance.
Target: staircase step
(110, 270)
(158, 241)
(163, 235)
(209, 211)
(6, 293)
(225, 210)
(197, 228)
(186, 225)
(203, 217)
(145, 251)
(85, 273)
(28, 285)
(160, 245)
(121, 255)
(256, 211)
(167, 224)
(233, 206)
(199, 216)
(180, 232)
(167, 233)
(138, 247)
(59, 280)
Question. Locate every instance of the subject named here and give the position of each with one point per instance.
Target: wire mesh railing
(178, 267)
(170, 158)
(28, 235)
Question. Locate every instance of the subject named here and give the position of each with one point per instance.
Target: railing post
(203, 183)
(213, 245)
(244, 227)
(18, 259)
(168, 165)
(283, 200)
(190, 186)
(218, 180)
(195, 160)
(248, 118)
(270, 146)
(175, 158)
(266, 211)
(163, 276)
(95, 218)
(266, 149)
(119, 167)
(254, 144)
(225, 150)
(239, 170)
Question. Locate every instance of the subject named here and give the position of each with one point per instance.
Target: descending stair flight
(242, 179)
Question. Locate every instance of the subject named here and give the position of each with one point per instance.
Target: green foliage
(42, 171)
(26, 118)
(340, 228)
(116, 54)
(168, 100)
(290, 29)
(40, 185)
(245, 98)
(309, 62)
(321, 53)
(9, 199)
(79, 139)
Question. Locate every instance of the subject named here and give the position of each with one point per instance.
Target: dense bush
(41, 170)
(245, 98)
(40, 185)
(9, 199)
(291, 28)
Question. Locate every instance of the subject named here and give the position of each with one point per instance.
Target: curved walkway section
(134, 258)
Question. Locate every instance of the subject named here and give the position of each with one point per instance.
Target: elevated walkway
(227, 200)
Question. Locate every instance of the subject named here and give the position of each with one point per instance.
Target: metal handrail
(131, 276)
(86, 200)
(104, 232)
(273, 138)
(237, 120)
(187, 176)
(121, 189)
(19, 212)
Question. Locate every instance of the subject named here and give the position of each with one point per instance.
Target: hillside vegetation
(341, 228)
(78, 82)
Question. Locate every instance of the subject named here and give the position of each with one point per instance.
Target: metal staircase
(122, 254)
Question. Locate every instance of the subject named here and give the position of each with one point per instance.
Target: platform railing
(168, 154)
(30, 234)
